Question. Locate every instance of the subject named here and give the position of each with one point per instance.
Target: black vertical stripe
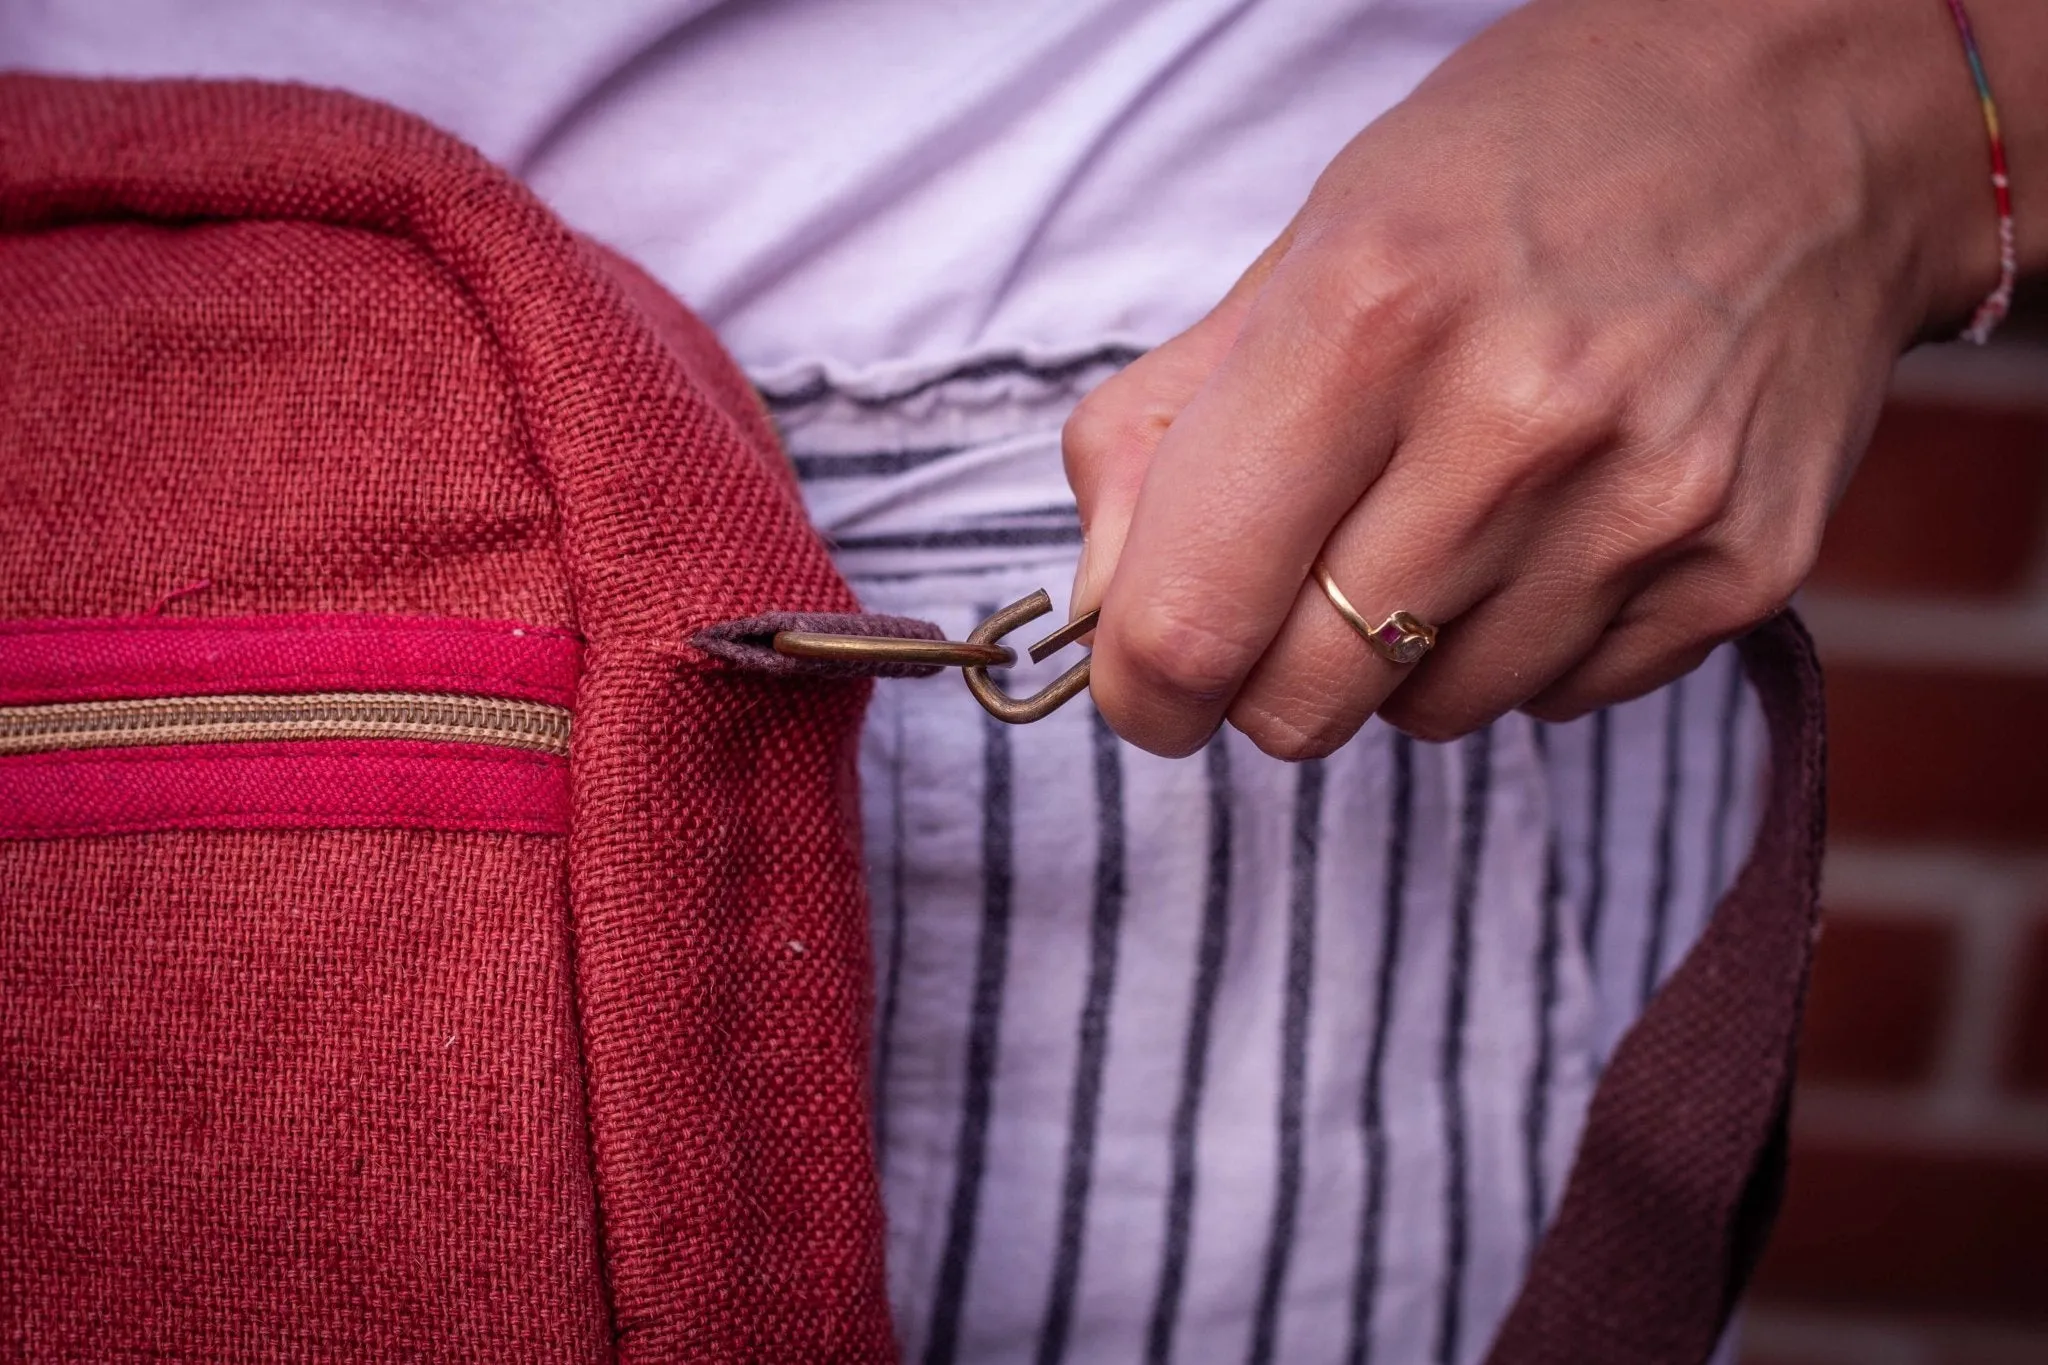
(1596, 836)
(983, 1036)
(963, 538)
(1104, 927)
(1536, 1106)
(892, 980)
(818, 388)
(1664, 872)
(868, 464)
(1209, 955)
(1464, 900)
(1365, 1278)
(1724, 780)
(1301, 949)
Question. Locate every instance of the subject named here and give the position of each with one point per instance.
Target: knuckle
(1559, 707)
(1764, 573)
(1091, 427)
(1677, 499)
(1429, 722)
(1373, 296)
(1114, 418)
(1280, 738)
(1695, 502)
(1543, 411)
(1172, 653)
(1431, 729)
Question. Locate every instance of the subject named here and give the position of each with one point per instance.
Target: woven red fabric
(157, 656)
(308, 1096)
(301, 784)
(385, 1094)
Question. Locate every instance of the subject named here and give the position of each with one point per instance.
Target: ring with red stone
(1400, 639)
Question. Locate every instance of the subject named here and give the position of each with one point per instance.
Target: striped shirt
(1223, 1058)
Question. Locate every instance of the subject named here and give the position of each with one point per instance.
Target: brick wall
(1915, 1229)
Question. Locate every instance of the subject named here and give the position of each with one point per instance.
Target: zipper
(254, 719)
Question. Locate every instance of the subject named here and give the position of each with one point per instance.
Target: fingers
(1518, 595)
(1502, 483)
(1737, 572)
(1669, 628)
(1242, 489)
(1430, 477)
(1108, 442)
(1628, 661)
(1319, 679)
(1520, 527)
(1320, 682)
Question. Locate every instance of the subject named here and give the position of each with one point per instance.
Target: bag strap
(1680, 1169)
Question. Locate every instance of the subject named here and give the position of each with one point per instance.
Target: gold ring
(1400, 639)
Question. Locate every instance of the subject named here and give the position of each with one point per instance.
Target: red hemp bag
(398, 1027)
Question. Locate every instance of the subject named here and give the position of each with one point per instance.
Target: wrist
(1932, 118)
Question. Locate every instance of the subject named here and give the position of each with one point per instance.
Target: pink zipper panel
(289, 784)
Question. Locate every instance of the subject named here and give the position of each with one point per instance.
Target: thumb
(1109, 438)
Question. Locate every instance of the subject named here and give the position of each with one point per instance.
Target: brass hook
(977, 654)
(889, 649)
(1057, 693)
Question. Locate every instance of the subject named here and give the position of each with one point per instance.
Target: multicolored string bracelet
(1992, 311)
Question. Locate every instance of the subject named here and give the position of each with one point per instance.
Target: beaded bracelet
(1992, 311)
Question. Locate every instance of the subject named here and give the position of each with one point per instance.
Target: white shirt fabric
(1219, 1060)
(870, 187)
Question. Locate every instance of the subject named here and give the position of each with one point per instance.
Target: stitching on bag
(238, 816)
(300, 750)
(400, 680)
(288, 624)
(294, 819)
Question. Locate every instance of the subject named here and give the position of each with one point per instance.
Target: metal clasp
(1055, 694)
(891, 649)
(976, 655)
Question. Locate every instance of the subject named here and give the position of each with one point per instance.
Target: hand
(1569, 354)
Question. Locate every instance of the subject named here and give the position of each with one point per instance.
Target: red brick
(1839, 1340)
(1938, 1232)
(2027, 1055)
(2031, 1351)
(1938, 754)
(1880, 1000)
(2028, 321)
(1948, 500)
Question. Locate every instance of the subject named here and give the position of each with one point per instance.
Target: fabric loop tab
(746, 643)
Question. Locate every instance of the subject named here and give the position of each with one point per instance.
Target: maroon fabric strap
(748, 643)
(1679, 1169)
